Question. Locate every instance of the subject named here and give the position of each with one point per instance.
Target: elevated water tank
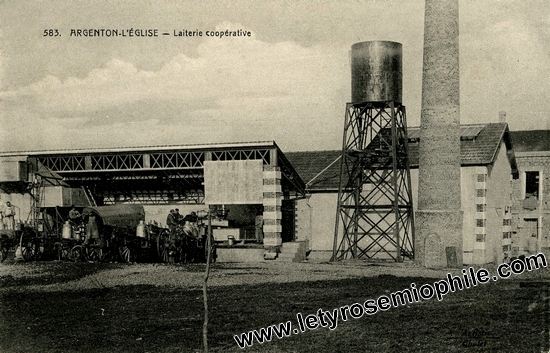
(376, 71)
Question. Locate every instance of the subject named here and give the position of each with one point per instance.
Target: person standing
(92, 231)
(171, 220)
(9, 216)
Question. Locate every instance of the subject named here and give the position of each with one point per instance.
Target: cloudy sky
(289, 82)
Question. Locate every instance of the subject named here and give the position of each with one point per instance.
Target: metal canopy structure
(156, 174)
(374, 209)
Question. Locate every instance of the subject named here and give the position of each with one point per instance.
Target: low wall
(240, 255)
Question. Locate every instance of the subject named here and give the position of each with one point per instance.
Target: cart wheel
(61, 252)
(76, 253)
(163, 246)
(125, 254)
(95, 254)
(64, 253)
(3, 254)
(4, 247)
(28, 251)
(164, 255)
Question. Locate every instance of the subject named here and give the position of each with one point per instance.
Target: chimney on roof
(502, 116)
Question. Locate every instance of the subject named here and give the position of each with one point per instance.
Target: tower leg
(374, 210)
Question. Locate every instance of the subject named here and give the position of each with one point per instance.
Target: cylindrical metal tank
(140, 230)
(67, 230)
(376, 71)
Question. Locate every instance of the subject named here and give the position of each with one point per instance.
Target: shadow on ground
(495, 317)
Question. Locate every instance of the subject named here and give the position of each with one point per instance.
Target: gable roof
(531, 140)
(479, 145)
(479, 150)
(320, 170)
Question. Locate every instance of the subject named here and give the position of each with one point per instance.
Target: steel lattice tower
(375, 209)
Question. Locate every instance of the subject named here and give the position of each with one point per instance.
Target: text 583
(51, 33)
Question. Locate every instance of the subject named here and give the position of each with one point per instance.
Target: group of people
(7, 217)
(187, 241)
(76, 219)
(188, 223)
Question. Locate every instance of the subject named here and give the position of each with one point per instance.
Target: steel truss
(154, 197)
(147, 161)
(157, 177)
(375, 198)
(238, 155)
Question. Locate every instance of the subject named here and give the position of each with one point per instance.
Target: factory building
(487, 167)
(505, 190)
(530, 223)
(252, 184)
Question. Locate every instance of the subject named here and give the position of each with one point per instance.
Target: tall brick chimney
(438, 219)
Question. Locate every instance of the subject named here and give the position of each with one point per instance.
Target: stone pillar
(439, 212)
(273, 201)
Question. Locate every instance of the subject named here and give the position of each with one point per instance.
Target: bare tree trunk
(204, 284)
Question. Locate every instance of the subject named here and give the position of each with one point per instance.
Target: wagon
(112, 233)
(183, 245)
(26, 244)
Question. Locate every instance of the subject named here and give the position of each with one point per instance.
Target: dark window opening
(531, 184)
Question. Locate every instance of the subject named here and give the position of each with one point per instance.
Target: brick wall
(272, 201)
(531, 161)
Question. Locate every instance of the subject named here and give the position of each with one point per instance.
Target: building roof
(479, 145)
(149, 162)
(320, 170)
(138, 149)
(531, 140)
(474, 150)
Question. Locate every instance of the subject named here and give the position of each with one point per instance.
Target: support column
(272, 201)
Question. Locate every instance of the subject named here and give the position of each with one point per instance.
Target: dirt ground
(99, 307)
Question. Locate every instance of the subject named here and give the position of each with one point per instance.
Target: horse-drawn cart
(26, 244)
(183, 244)
(114, 233)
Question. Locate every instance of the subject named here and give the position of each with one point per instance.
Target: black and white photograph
(274, 176)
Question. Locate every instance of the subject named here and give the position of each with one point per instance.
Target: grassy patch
(495, 317)
(41, 273)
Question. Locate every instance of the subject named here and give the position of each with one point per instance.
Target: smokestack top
(502, 116)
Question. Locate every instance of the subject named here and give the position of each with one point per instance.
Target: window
(506, 222)
(480, 238)
(506, 235)
(480, 192)
(480, 223)
(481, 207)
(531, 184)
(506, 248)
(482, 177)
